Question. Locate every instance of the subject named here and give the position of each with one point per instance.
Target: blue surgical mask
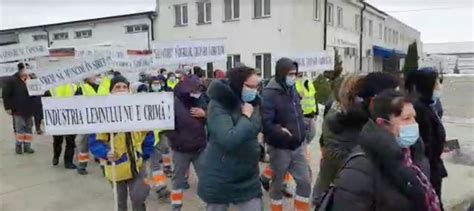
(248, 95)
(436, 94)
(409, 134)
(290, 80)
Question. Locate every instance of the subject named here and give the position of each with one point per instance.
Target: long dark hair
(237, 76)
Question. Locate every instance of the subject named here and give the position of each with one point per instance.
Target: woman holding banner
(230, 171)
(129, 151)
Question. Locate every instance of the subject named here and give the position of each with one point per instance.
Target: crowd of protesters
(381, 142)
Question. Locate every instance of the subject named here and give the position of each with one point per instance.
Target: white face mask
(155, 87)
(195, 95)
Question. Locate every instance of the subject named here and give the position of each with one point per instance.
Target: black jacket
(434, 136)
(16, 98)
(378, 180)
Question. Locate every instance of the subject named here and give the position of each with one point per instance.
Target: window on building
(204, 12)
(364, 27)
(357, 23)
(340, 17)
(317, 10)
(136, 28)
(61, 36)
(233, 61)
(385, 34)
(261, 8)
(263, 63)
(394, 36)
(380, 31)
(231, 9)
(389, 35)
(83, 34)
(371, 28)
(330, 14)
(181, 14)
(39, 37)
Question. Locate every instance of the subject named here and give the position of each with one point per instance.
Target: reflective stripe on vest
(66, 90)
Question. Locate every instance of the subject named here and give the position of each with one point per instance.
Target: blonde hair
(349, 90)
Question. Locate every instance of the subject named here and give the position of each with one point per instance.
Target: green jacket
(230, 173)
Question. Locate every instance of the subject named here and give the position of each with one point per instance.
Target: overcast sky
(437, 20)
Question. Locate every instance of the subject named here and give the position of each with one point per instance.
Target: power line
(427, 9)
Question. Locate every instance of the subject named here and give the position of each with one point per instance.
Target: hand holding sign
(112, 156)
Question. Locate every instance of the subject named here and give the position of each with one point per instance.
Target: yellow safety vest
(66, 90)
(88, 90)
(156, 133)
(171, 84)
(123, 166)
(308, 101)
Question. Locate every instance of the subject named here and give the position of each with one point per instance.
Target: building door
(263, 64)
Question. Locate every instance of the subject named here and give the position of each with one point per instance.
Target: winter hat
(283, 66)
(421, 82)
(118, 79)
(219, 74)
(189, 84)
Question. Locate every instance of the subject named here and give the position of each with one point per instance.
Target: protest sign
(8, 69)
(72, 72)
(135, 63)
(20, 52)
(115, 53)
(311, 62)
(195, 51)
(34, 87)
(113, 113)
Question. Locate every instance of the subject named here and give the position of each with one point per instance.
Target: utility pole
(361, 40)
(325, 24)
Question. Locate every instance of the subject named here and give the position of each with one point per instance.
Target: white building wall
(103, 32)
(290, 28)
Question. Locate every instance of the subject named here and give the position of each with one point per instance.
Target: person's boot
(164, 195)
(168, 171)
(27, 148)
(19, 149)
(70, 165)
(81, 169)
(286, 192)
(55, 160)
(265, 183)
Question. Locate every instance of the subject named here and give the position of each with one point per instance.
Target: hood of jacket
(282, 67)
(220, 91)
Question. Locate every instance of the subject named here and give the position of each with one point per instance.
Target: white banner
(35, 87)
(8, 69)
(311, 62)
(196, 51)
(135, 64)
(115, 53)
(106, 114)
(20, 52)
(73, 72)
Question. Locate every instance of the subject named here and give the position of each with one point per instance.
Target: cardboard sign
(20, 52)
(196, 51)
(104, 114)
(35, 88)
(96, 51)
(8, 69)
(135, 64)
(311, 62)
(72, 72)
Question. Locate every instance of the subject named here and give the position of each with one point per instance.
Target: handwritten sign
(34, 87)
(113, 113)
(311, 62)
(20, 52)
(73, 72)
(196, 51)
(96, 51)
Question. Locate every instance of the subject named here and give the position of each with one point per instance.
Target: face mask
(409, 134)
(248, 95)
(436, 94)
(290, 80)
(172, 78)
(156, 88)
(98, 81)
(195, 95)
